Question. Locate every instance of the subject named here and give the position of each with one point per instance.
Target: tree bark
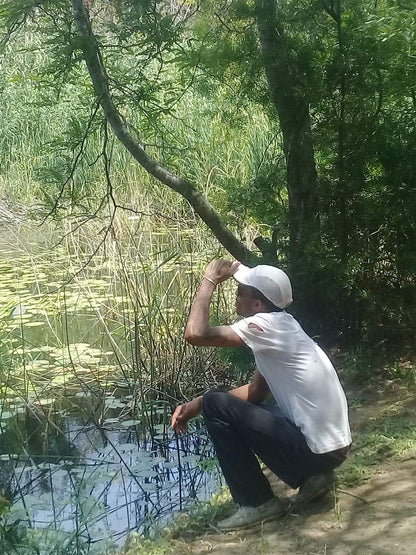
(292, 105)
(99, 77)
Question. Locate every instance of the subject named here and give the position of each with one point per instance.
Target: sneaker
(247, 516)
(313, 488)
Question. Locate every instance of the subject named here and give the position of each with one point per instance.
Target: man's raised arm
(198, 331)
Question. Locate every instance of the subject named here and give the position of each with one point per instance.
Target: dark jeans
(240, 430)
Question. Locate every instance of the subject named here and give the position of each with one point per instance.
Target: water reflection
(100, 483)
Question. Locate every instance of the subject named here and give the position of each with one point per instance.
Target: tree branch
(99, 77)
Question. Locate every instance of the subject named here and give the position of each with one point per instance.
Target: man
(306, 435)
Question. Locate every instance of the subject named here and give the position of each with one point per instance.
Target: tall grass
(44, 125)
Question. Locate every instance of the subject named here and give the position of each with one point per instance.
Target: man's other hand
(220, 270)
(183, 413)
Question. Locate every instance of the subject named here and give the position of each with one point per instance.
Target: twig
(77, 158)
(353, 495)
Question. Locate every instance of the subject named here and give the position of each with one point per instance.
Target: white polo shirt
(301, 378)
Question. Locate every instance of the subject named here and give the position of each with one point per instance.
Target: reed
(44, 128)
(98, 332)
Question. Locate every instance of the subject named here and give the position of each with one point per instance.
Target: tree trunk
(292, 105)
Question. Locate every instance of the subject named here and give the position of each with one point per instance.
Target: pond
(92, 362)
(95, 483)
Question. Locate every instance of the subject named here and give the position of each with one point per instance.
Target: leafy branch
(100, 80)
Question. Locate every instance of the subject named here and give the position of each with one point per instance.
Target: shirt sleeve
(256, 333)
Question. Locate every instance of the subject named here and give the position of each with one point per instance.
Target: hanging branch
(100, 80)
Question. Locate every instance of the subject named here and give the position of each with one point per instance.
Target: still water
(99, 482)
(91, 359)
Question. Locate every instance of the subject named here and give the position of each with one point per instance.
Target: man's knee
(213, 402)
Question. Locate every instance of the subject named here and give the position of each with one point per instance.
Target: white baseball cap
(272, 282)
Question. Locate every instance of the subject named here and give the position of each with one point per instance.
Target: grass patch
(383, 438)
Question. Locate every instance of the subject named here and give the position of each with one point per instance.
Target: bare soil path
(377, 517)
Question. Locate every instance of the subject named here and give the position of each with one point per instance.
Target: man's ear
(259, 305)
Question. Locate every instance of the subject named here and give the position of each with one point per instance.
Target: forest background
(275, 132)
(293, 118)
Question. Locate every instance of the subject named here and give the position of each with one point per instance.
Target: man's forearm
(198, 402)
(198, 321)
(245, 392)
(253, 392)
(241, 392)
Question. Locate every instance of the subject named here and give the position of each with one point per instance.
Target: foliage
(366, 366)
(191, 83)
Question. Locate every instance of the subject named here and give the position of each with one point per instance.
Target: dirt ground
(378, 517)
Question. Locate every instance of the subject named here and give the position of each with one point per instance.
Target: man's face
(245, 303)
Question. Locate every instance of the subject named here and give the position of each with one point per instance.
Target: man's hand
(183, 413)
(220, 270)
